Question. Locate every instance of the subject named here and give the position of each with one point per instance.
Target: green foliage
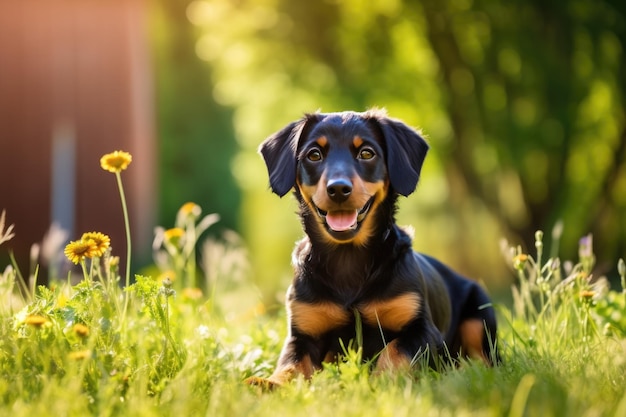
(523, 104)
(195, 135)
(71, 350)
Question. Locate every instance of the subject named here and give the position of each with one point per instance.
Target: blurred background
(522, 102)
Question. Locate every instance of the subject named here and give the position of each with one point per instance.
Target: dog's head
(344, 165)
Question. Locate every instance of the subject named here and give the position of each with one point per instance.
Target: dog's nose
(339, 189)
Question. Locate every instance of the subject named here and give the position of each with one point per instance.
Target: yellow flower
(116, 161)
(587, 294)
(174, 235)
(80, 354)
(81, 330)
(101, 241)
(190, 210)
(519, 261)
(114, 261)
(61, 300)
(35, 320)
(78, 250)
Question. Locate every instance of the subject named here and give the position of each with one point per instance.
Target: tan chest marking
(317, 318)
(392, 314)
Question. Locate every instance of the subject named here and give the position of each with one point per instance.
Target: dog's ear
(280, 154)
(406, 151)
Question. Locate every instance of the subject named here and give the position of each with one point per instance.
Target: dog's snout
(339, 189)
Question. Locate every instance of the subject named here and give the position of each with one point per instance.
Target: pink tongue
(341, 221)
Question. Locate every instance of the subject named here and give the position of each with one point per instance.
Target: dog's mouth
(345, 220)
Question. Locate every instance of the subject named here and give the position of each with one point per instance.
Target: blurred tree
(196, 138)
(522, 102)
(535, 96)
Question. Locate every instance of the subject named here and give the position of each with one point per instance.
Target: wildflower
(35, 320)
(585, 248)
(167, 282)
(519, 260)
(78, 250)
(114, 261)
(62, 300)
(587, 294)
(190, 210)
(166, 287)
(174, 236)
(81, 330)
(101, 241)
(116, 161)
(80, 354)
(111, 265)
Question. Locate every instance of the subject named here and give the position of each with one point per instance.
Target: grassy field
(161, 347)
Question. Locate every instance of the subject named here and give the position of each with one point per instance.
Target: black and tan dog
(355, 264)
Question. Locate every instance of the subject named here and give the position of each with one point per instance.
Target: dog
(356, 274)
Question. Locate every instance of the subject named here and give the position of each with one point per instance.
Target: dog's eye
(366, 153)
(314, 155)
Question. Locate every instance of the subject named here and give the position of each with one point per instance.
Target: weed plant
(182, 342)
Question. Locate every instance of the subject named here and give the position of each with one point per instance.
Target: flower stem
(190, 249)
(84, 268)
(128, 241)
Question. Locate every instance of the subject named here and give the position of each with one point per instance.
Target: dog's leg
(419, 337)
(392, 359)
(300, 356)
(288, 368)
(476, 342)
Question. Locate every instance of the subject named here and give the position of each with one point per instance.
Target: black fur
(407, 301)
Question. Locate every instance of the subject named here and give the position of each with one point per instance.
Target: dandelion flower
(81, 330)
(35, 320)
(78, 250)
(116, 161)
(101, 241)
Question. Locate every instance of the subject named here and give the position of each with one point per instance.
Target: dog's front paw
(391, 360)
(264, 383)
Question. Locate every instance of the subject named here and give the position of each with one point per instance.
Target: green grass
(562, 343)
(160, 349)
